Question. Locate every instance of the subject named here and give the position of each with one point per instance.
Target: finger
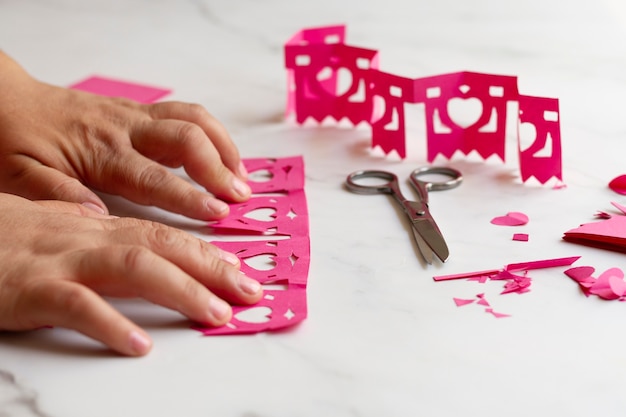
(175, 143)
(216, 132)
(212, 267)
(74, 208)
(143, 181)
(40, 182)
(135, 271)
(73, 306)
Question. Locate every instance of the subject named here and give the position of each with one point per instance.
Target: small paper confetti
(520, 237)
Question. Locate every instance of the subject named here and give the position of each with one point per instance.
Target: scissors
(425, 231)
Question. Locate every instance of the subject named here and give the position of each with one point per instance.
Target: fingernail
(216, 206)
(241, 188)
(219, 309)
(94, 207)
(243, 172)
(231, 258)
(249, 285)
(139, 343)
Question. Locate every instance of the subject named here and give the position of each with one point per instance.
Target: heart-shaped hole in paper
(263, 262)
(260, 175)
(343, 84)
(512, 218)
(267, 214)
(255, 315)
(465, 112)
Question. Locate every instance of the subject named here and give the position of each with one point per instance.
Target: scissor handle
(423, 187)
(388, 186)
(455, 177)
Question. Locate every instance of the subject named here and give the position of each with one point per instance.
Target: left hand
(57, 143)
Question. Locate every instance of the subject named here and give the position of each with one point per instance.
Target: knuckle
(190, 135)
(72, 300)
(153, 176)
(136, 258)
(161, 237)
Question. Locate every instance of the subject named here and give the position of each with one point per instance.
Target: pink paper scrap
(481, 301)
(512, 218)
(609, 285)
(520, 237)
(618, 184)
(117, 88)
(514, 281)
(462, 301)
(465, 111)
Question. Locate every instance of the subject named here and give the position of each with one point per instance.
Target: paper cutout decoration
(609, 233)
(465, 111)
(285, 275)
(511, 219)
(117, 88)
(618, 184)
(610, 285)
(514, 276)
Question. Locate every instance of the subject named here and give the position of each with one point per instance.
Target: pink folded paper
(607, 234)
(285, 280)
(117, 88)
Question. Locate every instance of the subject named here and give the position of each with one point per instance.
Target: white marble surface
(381, 339)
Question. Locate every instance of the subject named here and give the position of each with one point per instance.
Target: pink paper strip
(117, 88)
(546, 263)
(464, 275)
(285, 278)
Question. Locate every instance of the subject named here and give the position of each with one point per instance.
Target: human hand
(58, 258)
(57, 143)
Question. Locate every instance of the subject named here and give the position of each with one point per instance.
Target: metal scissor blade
(430, 233)
(425, 250)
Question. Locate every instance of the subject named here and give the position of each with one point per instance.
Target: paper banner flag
(289, 259)
(465, 111)
(275, 215)
(270, 175)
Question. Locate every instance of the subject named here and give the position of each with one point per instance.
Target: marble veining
(381, 338)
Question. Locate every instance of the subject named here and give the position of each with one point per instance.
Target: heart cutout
(264, 262)
(618, 184)
(343, 82)
(581, 273)
(260, 175)
(510, 219)
(255, 315)
(266, 214)
(465, 112)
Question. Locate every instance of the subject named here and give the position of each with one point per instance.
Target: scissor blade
(430, 233)
(425, 250)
